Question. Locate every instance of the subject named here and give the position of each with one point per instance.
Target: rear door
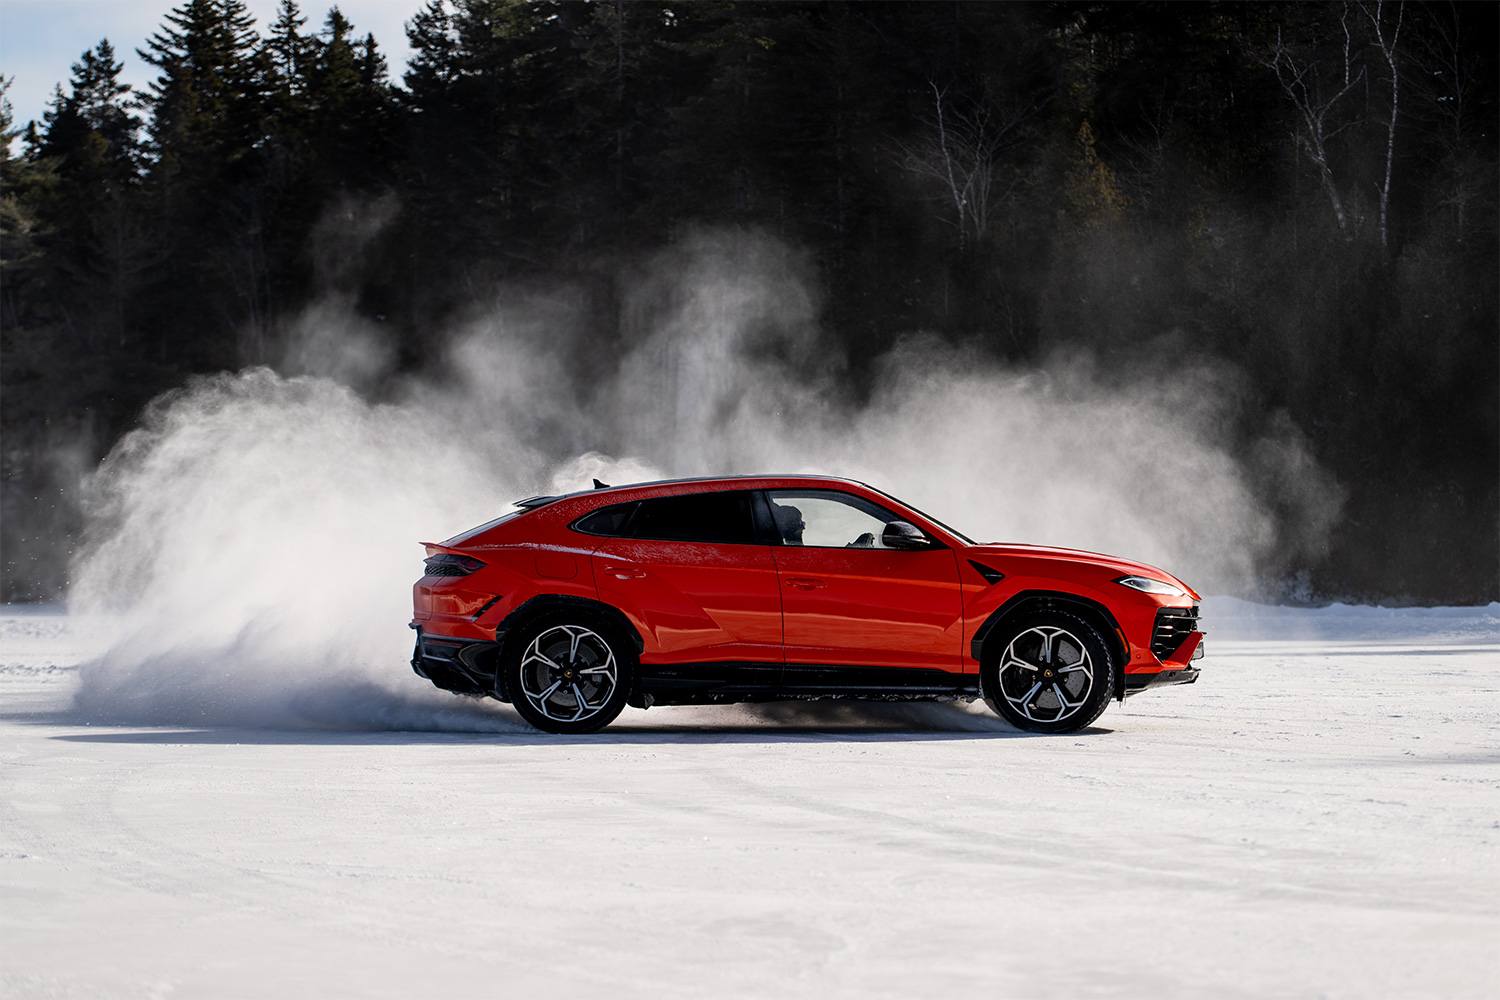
(692, 575)
(847, 601)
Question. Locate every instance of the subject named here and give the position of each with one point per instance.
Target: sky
(40, 40)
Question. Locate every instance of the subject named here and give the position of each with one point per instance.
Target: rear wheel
(569, 674)
(1053, 674)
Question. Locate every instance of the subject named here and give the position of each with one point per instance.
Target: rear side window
(606, 520)
(697, 517)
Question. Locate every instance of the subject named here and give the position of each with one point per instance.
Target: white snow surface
(1318, 816)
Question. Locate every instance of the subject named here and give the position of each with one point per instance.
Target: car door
(848, 601)
(691, 573)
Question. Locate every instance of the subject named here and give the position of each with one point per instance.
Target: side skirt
(727, 683)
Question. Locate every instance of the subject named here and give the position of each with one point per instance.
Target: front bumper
(1136, 683)
(464, 666)
(1176, 669)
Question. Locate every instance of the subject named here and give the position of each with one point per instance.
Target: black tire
(1048, 672)
(568, 672)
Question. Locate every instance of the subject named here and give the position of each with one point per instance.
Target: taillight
(449, 564)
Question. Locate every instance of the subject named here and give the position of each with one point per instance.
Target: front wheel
(1053, 674)
(567, 674)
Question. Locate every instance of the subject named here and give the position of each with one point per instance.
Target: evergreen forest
(1305, 194)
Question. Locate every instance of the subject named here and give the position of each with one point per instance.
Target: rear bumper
(465, 666)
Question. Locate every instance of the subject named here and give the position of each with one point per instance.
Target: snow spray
(259, 531)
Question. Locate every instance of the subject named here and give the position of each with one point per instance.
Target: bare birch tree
(1387, 40)
(959, 149)
(1302, 82)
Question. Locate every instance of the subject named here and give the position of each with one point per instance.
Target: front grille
(1173, 626)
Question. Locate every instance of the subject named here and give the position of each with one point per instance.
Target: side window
(697, 517)
(722, 517)
(607, 520)
(828, 519)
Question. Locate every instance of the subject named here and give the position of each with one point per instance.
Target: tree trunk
(1389, 51)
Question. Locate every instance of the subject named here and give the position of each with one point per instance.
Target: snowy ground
(1319, 816)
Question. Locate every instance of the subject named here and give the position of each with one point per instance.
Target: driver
(789, 522)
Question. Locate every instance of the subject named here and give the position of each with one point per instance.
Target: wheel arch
(542, 604)
(1030, 601)
(545, 604)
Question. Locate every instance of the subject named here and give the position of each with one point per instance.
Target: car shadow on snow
(369, 715)
(635, 735)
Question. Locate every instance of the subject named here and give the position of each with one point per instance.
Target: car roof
(737, 481)
(764, 481)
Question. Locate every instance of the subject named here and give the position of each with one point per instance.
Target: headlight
(1150, 586)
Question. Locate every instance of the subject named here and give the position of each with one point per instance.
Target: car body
(759, 588)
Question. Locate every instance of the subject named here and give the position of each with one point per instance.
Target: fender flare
(1028, 601)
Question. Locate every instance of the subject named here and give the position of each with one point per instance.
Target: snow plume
(260, 530)
(727, 372)
(239, 529)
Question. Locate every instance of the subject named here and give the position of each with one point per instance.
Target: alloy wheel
(1046, 674)
(568, 673)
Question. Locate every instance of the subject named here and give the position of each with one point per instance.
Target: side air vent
(1173, 626)
(488, 604)
(991, 576)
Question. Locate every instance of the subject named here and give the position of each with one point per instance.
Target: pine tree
(488, 85)
(94, 244)
(344, 101)
(619, 97)
(207, 128)
(289, 50)
(206, 107)
(23, 179)
(91, 131)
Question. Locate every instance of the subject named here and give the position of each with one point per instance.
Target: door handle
(805, 582)
(625, 572)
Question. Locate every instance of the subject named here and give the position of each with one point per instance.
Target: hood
(1114, 564)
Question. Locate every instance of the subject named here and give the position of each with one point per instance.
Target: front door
(847, 601)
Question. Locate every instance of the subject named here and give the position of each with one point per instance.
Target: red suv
(709, 591)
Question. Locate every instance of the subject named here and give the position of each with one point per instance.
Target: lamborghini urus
(709, 591)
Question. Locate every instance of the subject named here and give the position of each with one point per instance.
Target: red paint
(871, 607)
(693, 601)
(697, 601)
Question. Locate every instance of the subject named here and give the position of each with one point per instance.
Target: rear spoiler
(437, 549)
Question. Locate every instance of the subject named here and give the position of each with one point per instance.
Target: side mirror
(902, 535)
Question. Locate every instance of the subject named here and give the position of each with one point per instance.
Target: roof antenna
(600, 486)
